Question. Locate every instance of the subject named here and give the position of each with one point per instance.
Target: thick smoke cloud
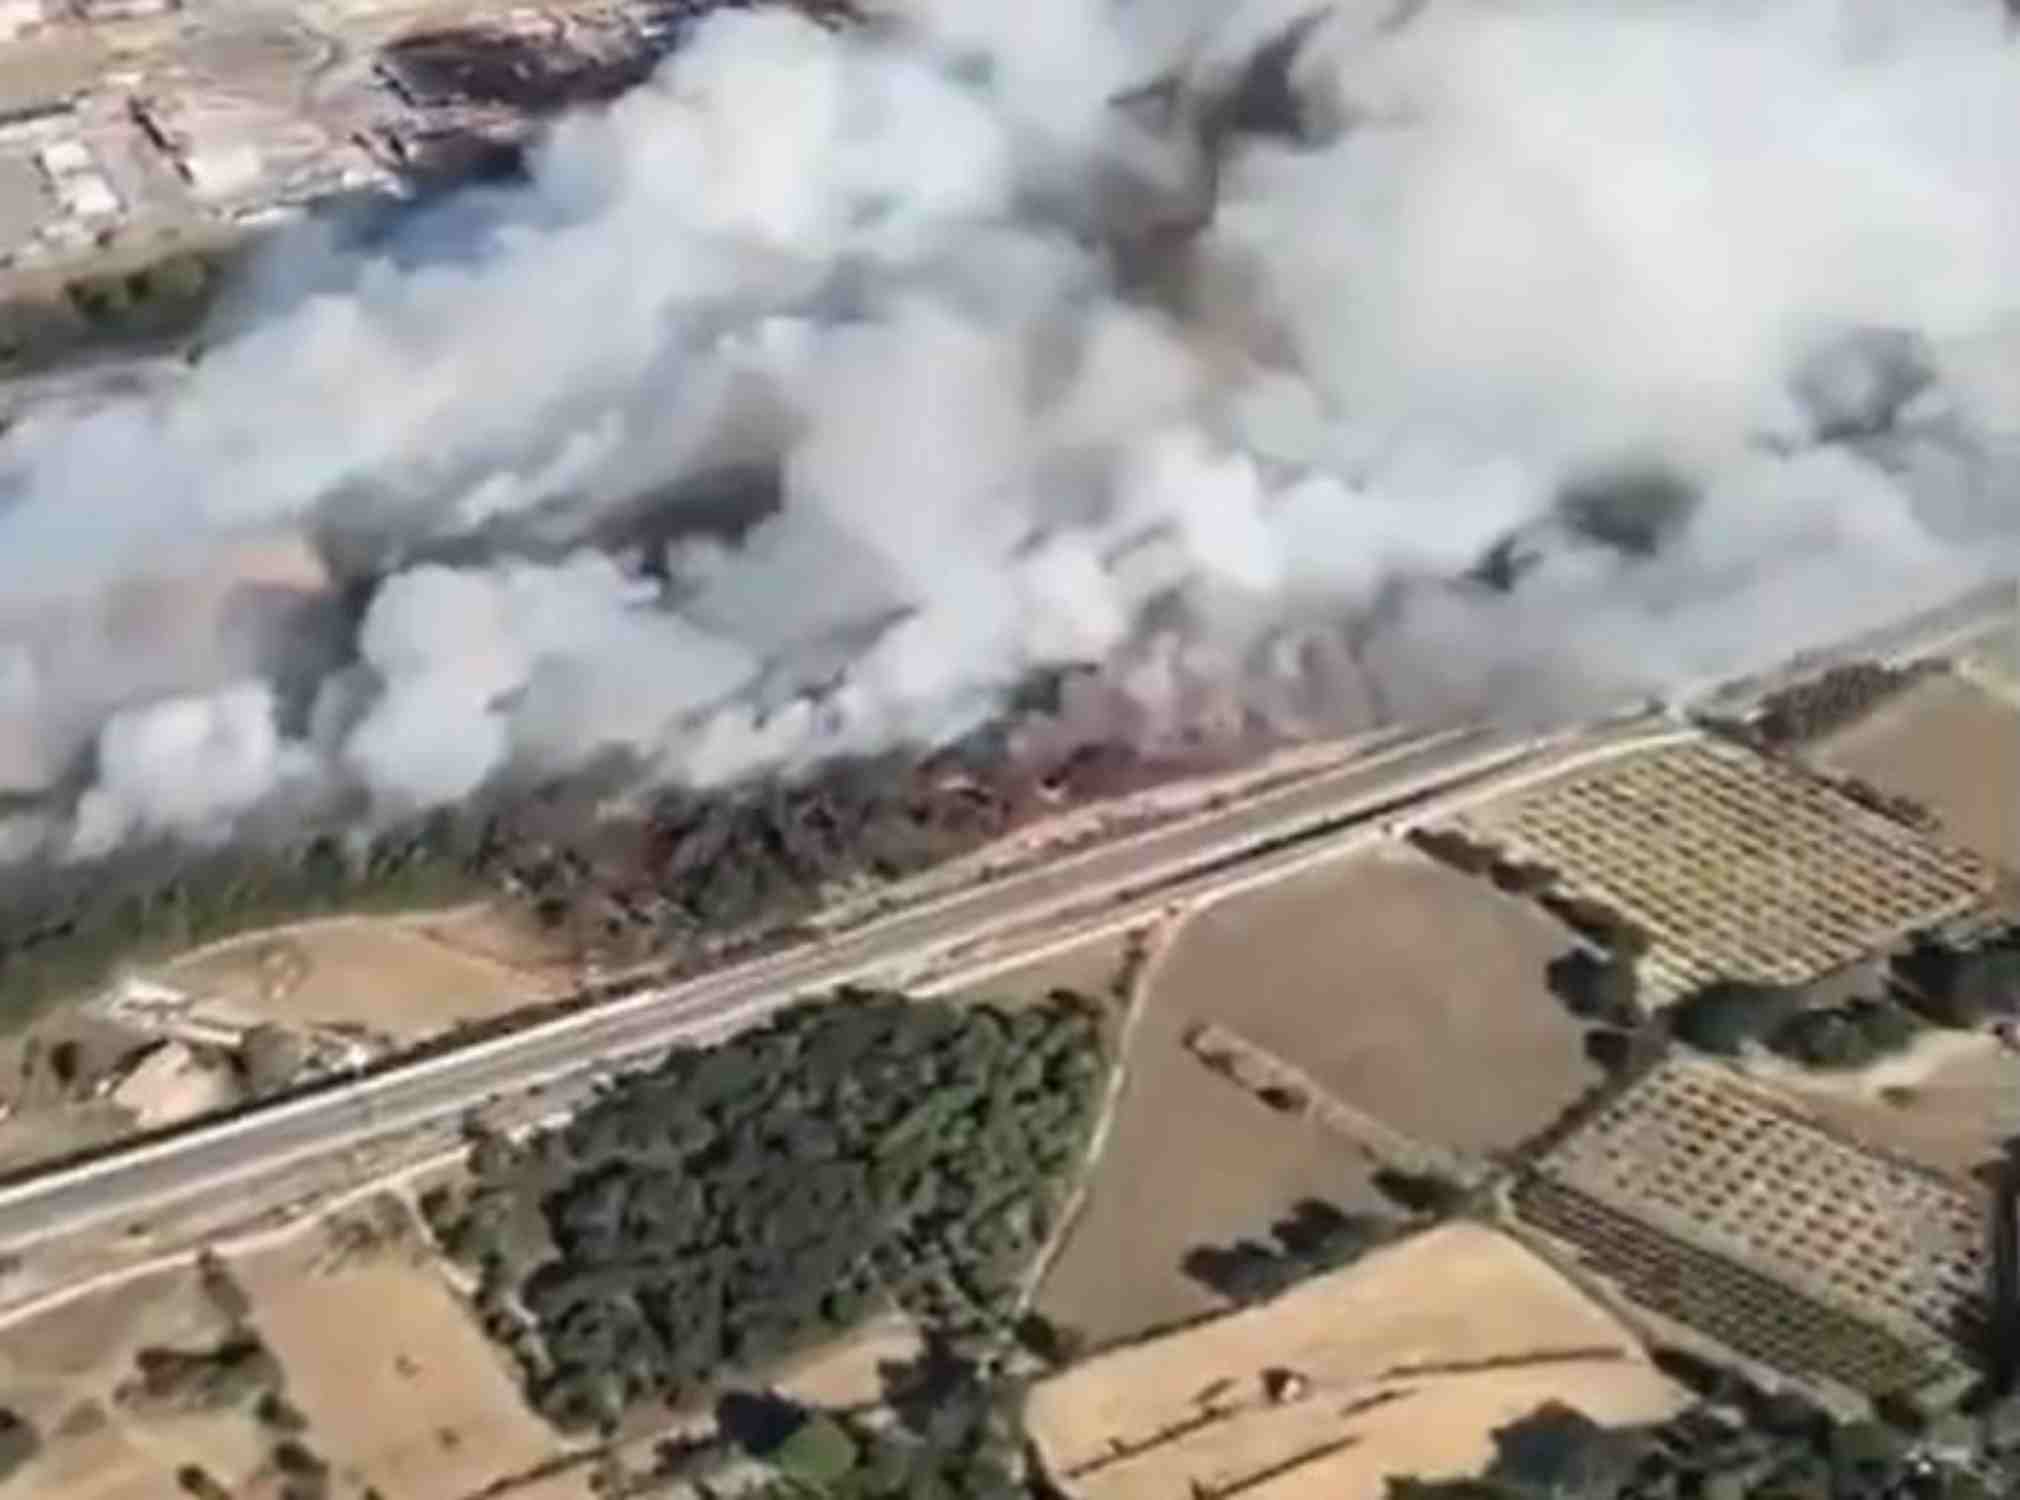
(1047, 381)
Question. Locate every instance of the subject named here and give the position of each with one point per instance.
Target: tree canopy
(741, 1201)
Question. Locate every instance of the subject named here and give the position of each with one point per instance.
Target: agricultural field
(1402, 1364)
(1404, 989)
(399, 977)
(67, 1370)
(1190, 1160)
(1413, 994)
(1712, 1200)
(1949, 1103)
(1950, 746)
(401, 1389)
(1736, 866)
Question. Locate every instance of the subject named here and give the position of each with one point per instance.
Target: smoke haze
(1686, 331)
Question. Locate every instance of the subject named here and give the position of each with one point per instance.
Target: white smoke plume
(1761, 249)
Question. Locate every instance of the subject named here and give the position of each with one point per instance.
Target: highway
(1079, 893)
(978, 929)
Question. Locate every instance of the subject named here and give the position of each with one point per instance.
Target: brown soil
(1409, 991)
(1951, 747)
(1412, 992)
(1190, 1161)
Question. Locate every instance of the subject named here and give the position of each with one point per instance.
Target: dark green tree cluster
(228, 1374)
(1783, 1449)
(1722, 1018)
(236, 1370)
(886, 1466)
(304, 1473)
(739, 1202)
(1961, 985)
(1315, 1237)
(955, 1437)
(64, 927)
(1853, 1035)
(1602, 986)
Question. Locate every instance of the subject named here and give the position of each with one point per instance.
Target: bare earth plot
(1411, 992)
(1410, 1360)
(1951, 747)
(401, 1389)
(403, 977)
(60, 1371)
(1190, 1160)
(1739, 867)
(1407, 990)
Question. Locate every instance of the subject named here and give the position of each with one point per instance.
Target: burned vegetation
(1835, 700)
(678, 879)
(738, 1203)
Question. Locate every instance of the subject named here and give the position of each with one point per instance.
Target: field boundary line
(1158, 942)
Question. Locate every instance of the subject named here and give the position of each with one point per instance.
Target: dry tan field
(60, 1371)
(1951, 747)
(1407, 990)
(44, 1117)
(1414, 993)
(1139, 1423)
(41, 1134)
(404, 977)
(401, 1389)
